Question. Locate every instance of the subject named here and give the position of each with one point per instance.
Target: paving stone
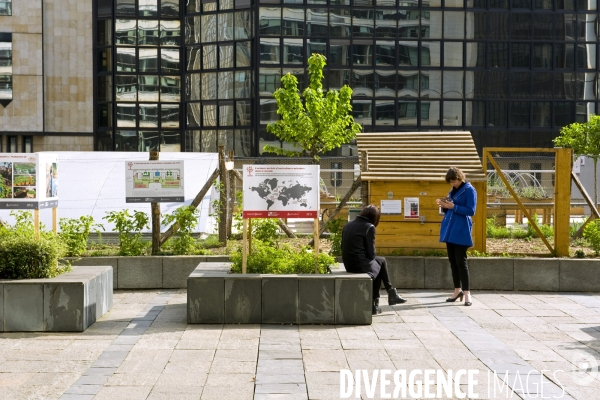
(280, 388)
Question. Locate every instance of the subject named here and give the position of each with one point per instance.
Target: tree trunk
(285, 228)
(155, 211)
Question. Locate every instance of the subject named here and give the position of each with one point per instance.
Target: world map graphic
(287, 192)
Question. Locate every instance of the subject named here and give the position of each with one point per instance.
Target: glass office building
(190, 75)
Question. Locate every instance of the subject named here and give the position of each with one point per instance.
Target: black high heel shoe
(453, 299)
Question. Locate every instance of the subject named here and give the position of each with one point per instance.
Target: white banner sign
(28, 181)
(154, 181)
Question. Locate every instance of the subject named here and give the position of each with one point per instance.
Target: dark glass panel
(225, 24)
(475, 113)
(242, 54)
(498, 25)
(339, 22)
(563, 114)
(586, 56)
(543, 26)
(148, 115)
(476, 3)
(194, 57)
(104, 140)
(269, 80)
(126, 141)
(268, 111)
(193, 6)
(430, 113)
(104, 33)
(169, 115)
(148, 141)
(125, 32)
(193, 114)
(270, 51)
(126, 115)
(565, 4)
(583, 111)
(542, 85)
(226, 114)
(243, 25)
(169, 8)
(363, 22)
(226, 56)
(385, 54)
(520, 55)
(520, 138)
(209, 115)
(149, 59)
(125, 8)
(126, 87)
(497, 139)
(583, 5)
(362, 111)
(497, 114)
(362, 83)
(479, 79)
(338, 78)
(408, 24)
(170, 89)
(520, 85)
(543, 4)
(385, 83)
(542, 114)
(453, 85)
(243, 142)
(104, 8)
(430, 84)
(566, 26)
(386, 23)
(362, 53)
(148, 34)
(408, 83)
(542, 55)
(293, 22)
(243, 113)
(385, 112)
(502, 4)
(170, 33)
(477, 25)
(563, 89)
(521, 25)
(564, 55)
(475, 55)
(105, 116)
(293, 51)
(192, 30)
(316, 46)
(339, 52)
(149, 88)
(316, 22)
(543, 138)
(105, 88)
(269, 22)
(498, 55)
(521, 4)
(453, 54)
(519, 113)
(104, 60)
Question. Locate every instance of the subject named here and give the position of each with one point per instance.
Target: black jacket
(358, 247)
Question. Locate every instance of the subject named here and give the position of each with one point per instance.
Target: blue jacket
(457, 224)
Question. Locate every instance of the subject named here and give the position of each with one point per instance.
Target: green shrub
(265, 230)
(268, 259)
(187, 219)
(547, 230)
(591, 233)
(211, 241)
(23, 256)
(335, 236)
(502, 232)
(579, 254)
(130, 231)
(75, 232)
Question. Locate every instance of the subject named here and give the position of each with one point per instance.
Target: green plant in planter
(75, 232)
(268, 259)
(335, 236)
(130, 231)
(187, 219)
(533, 192)
(591, 233)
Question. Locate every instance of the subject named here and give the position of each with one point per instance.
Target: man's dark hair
(371, 212)
(455, 174)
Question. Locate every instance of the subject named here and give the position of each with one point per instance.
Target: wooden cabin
(406, 172)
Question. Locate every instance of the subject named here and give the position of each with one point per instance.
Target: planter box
(214, 296)
(67, 303)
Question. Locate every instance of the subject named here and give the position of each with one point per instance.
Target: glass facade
(5, 7)
(6, 71)
(511, 72)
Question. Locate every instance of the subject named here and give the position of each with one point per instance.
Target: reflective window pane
(475, 113)
(126, 141)
(362, 111)
(268, 111)
(225, 85)
(385, 112)
(363, 24)
(226, 139)
(497, 84)
(542, 55)
(169, 8)
(104, 60)
(453, 54)
(385, 54)
(362, 83)
(193, 58)
(148, 115)
(126, 115)
(243, 113)
(125, 8)
(316, 22)
(105, 113)
(339, 22)
(148, 60)
(192, 87)
(362, 54)
(542, 85)
(430, 54)
(170, 33)
(243, 25)
(497, 114)
(209, 56)
(542, 114)
(242, 54)
(170, 89)
(170, 141)
(148, 33)
(209, 115)
(316, 46)
(408, 84)
(339, 53)
(148, 141)
(209, 28)
(243, 84)
(293, 51)
(269, 22)
(519, 114)
(521, 24)
(193, 114)
(407, 113)
(430, 84)
(105, 88)
(386, 23)
(408, 53)
(453, 85)
(430, 113)
(169, 115)
(243, 142)
(293, 22)
(225, 24)
(385, 83)
(148, 8)
(498, 55)
(192, 30)
(520, 55)
(270, 51)
(126, 87)
(209, 141)
(475, 55)
(431, 24)
(454, 25)
(476, 25)
(226, 56)
(148, 88)
(209, 86)
(452, 113)
(543, 26)
(338, 78)
(226, 114)
(126, 31)
(104, 33)
(169, 61)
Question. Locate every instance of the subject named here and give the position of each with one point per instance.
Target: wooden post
(54, 218)
(562, 201)
(316, 243)
(244, 244)
(479, 228)
(36, 223)
(155, 214)
(223, 181)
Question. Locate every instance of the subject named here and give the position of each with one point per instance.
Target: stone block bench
(70, 302)
(215, 297)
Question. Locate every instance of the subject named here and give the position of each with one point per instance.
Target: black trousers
(382, 277)
(457, 255)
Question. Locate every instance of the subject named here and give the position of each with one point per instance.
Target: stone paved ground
(144, 349)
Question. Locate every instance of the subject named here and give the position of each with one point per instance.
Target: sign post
(281, 191)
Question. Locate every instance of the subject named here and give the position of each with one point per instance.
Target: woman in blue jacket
(455, 230)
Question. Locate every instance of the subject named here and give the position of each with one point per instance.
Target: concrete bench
(217, 297)
(70, 302)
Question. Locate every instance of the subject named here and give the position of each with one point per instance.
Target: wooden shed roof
(418, 156)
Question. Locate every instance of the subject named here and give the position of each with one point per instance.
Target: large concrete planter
(151, 272)
(216, 297)
(70, 302)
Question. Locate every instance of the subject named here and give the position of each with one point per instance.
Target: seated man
(358, 254)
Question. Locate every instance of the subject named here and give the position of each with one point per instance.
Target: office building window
(5, 7)
(27, 144)
(11, 144)
(6, 75)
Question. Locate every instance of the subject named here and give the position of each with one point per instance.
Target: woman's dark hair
(455, 174)
(371, 213)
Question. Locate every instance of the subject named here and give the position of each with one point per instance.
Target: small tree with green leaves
(321, 123)
(584, 139)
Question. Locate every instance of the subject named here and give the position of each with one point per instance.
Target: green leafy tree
(584, 139)
(321, 123)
